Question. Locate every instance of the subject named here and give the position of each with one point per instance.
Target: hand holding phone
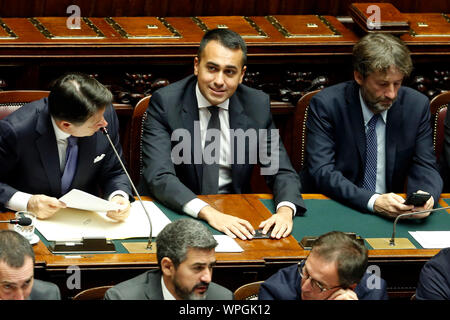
(417, 199)
(259, 235)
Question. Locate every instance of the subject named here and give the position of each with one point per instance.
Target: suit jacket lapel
(190, 118)
(394, 127)
(153, 289)
(356, 119)
(238, 120)
(86, 153)
(48, 152)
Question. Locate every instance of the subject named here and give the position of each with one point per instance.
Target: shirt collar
(204, 103)
(60, 135)
(367, 114)
(166, 293)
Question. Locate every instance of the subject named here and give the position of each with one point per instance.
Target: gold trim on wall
(8, 30)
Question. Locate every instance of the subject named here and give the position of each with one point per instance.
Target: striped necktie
(370, 171)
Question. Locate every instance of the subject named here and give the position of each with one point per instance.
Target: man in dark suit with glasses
(336, 269)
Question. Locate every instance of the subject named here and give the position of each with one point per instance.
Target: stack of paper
(74, 224)
(432, 239)
(227, 244)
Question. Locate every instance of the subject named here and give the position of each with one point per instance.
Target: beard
(186, 294)
(376, 104)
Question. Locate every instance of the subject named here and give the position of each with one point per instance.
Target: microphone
(392, 241)
(21, 221)
(105, 132)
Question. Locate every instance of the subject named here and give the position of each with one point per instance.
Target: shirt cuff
(371, 202)
(118, 192)
(288, 204)
(194, 206)
(19, 201)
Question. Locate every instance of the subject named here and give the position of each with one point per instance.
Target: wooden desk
(232, 269)
(260, 259)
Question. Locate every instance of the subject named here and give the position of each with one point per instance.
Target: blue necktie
(370, 172)
(210, 180)
(71, 164)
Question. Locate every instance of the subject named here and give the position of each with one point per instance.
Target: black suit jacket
(175, 107)
(336, 146)
(30, 162)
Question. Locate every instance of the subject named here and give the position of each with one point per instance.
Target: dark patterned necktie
(71, 164)
(370, 172)
(210, 180)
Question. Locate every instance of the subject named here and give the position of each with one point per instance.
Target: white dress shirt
(19, 200)
(380, 129)
(166, 293)
(194, 206)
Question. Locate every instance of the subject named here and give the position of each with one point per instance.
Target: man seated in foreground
(185, 250)
(334, 270)
(17, 271)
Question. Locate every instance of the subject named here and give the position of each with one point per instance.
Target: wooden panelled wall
(282, 66)
(182, 8)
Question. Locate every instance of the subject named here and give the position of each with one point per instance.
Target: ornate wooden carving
(432, 84)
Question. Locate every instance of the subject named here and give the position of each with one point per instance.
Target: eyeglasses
(316, 285)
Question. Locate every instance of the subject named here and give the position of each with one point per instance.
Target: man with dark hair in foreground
(334, 270)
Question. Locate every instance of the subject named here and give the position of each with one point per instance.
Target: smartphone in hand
(417, 199)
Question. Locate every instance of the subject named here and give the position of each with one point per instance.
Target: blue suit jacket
(285, 284)
(434, 281)
(175, 107)
(30, 162)
(336, 146)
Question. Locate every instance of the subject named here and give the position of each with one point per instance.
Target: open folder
(73, 224)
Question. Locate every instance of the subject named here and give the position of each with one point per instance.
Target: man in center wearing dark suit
(371, 138)
(206, 108)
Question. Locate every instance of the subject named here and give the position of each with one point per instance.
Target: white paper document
(432, 239)
(78, 199)
(72, 224)
(227, 244)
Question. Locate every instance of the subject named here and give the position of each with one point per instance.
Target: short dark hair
(177, 237)
(350, 256)
(14, 248)
(378, 52)
(75, 97)
(227, 38)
